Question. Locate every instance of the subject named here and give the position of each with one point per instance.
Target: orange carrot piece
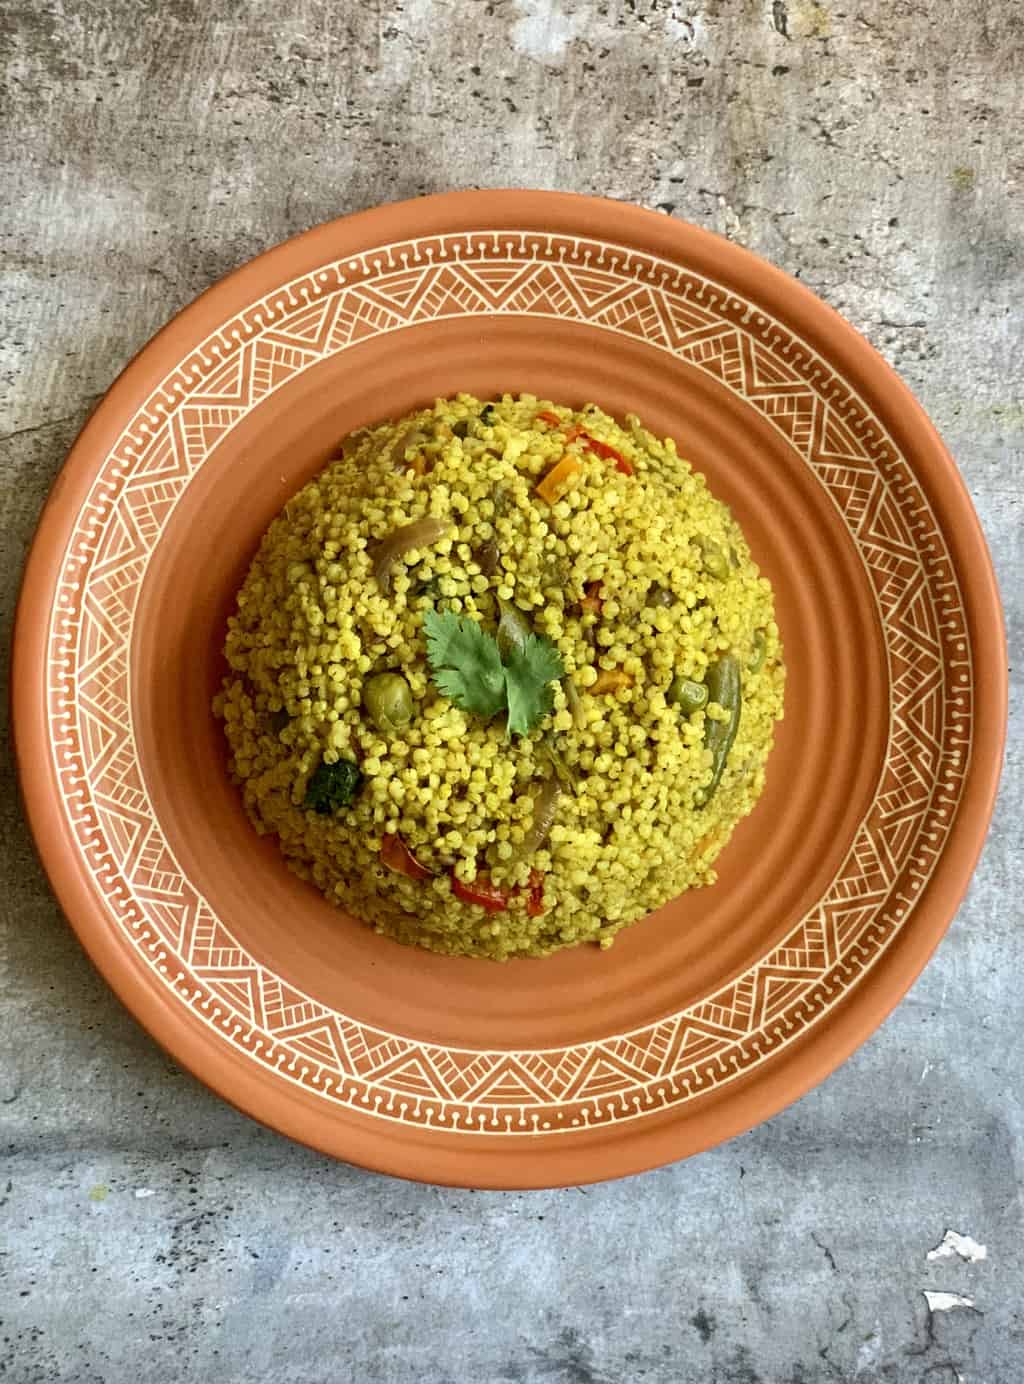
(610, 680)
(562, 477)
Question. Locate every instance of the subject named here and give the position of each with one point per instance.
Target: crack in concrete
(87, 404)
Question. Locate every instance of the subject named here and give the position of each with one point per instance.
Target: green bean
(724, 687)
(563, 773)
(760, 643)
(573, 700)
(687, 695)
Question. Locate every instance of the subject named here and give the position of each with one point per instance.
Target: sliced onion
(411, 437)
(513, 628)
(386, 553)
(545, 805)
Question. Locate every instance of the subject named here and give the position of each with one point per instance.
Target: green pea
(388, 700)
(687, 695)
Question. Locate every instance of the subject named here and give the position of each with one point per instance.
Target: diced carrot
(550, 417)
(610, 680)
(397, 856)
(592, 600)
(562, 477)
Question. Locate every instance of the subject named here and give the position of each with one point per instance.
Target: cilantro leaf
(485, 675)
(465, 662)
(529, 671)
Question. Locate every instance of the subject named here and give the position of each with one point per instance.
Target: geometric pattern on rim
(624, 1076)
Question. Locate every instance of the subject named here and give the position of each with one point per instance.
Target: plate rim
(371, 1143)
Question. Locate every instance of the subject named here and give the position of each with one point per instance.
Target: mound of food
(503, 677)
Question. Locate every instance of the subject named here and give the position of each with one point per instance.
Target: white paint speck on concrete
(965, 1246)
(544, 31)
(946, 1302)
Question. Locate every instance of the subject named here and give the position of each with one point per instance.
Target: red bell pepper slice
(535, 894)
(482, 891)
(495, 899)
(599, 449)
(606, 453)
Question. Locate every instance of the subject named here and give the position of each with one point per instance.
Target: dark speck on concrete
(568, 1359)
(739, 1368)
(704, 1324)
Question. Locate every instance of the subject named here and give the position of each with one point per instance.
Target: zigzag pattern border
(624, 1076)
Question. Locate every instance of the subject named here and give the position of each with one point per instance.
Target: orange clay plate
(701, 1020)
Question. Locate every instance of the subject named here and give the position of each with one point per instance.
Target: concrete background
(150, 1233)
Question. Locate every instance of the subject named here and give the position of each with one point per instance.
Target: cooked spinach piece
(332, 786)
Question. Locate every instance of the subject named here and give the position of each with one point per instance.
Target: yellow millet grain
(313, 624)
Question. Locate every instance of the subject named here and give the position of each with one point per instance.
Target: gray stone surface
(150, 1233)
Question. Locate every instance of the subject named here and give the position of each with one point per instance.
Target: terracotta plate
(708, 1016)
